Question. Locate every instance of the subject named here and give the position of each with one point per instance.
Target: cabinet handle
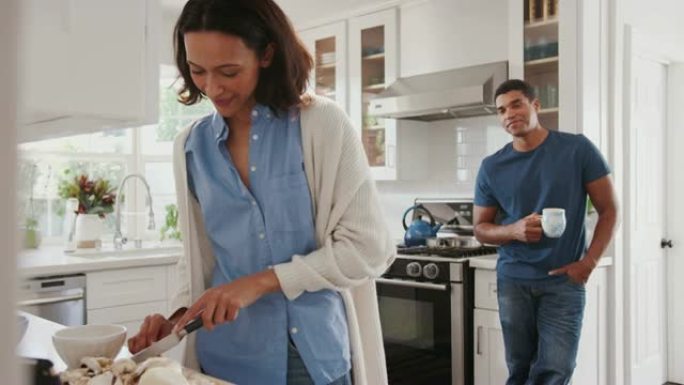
(478, 338)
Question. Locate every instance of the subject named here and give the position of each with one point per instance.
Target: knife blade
(168, 342)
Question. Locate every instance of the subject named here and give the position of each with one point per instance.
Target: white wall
(169, 17)
(438, 160)
(8, 34)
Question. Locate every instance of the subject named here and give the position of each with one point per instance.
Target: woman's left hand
(223, 303)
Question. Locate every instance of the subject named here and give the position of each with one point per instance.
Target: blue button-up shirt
(251, 229)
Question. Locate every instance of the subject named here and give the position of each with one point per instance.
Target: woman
(279, 215)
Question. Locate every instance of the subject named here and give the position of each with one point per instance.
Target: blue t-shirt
(519, 183)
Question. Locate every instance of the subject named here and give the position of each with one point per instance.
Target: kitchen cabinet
(87, 65)
(489, 362)
(373, 66)
(355, 60)
(489, 354)
(561, 48)
(127, 296)
(328, 46)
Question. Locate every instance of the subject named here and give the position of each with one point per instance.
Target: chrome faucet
(119, 239)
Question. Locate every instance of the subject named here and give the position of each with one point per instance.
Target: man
(541, 280)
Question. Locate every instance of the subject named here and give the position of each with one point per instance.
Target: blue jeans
(541, 328)
(297, 373)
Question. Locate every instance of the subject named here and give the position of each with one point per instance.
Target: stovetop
(446, 251)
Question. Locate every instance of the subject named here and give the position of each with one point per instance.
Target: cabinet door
(490, 356)
(87, 65)
(108, 55)
(328, 46)
(592, 365)
(373, 65)
(43, 65)
(560, 47)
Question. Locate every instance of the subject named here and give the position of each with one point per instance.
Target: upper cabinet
(373, 66)
(354, 61)
(328, 45)
(560, 47)
(87, 65)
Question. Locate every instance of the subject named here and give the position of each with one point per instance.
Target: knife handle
(193, 325)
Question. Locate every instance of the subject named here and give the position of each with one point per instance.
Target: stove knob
(413, 269)
(430, 271)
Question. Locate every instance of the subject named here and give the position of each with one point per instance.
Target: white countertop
(488, 262)
(52, 260)
(37, 343)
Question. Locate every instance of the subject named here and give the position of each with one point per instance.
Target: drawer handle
(46, 301)
(128, 281)
(479, 337)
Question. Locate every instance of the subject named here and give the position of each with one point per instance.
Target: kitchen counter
(52, 260)
(37, 343)
(488, 262)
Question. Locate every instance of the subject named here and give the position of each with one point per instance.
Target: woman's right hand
(154, 328)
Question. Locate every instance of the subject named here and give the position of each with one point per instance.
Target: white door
(675, 225)
(645, 119)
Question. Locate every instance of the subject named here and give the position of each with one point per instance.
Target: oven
(426, 307)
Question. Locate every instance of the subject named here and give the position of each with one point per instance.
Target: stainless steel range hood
(457, 93)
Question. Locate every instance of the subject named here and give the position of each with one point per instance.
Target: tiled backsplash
(444, 158)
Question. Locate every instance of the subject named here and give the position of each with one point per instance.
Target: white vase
(88, 231)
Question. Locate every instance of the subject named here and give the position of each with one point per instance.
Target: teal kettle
(419, 230)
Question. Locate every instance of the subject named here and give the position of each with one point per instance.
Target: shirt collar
(220, 128)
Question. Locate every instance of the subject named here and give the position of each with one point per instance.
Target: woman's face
(224, 69)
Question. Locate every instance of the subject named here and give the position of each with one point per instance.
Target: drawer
(130, 316)
(485, 289)
(125, 287)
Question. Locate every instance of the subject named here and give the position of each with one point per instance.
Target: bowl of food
(76, 342)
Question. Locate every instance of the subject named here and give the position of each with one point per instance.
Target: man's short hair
(516, 85)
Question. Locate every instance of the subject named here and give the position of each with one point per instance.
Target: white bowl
(74, 343)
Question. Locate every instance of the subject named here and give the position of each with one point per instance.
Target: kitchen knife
(167, 342)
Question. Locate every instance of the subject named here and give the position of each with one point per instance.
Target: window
(145, 150)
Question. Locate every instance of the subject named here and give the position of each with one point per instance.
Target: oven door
(416, 328)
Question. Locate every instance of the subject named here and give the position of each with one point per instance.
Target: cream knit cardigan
(354, 244)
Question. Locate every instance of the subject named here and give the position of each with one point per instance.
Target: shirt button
(255, 113)
(253, 168)
(294, 330)
(255, 137)
(253, 203)
(262, 236)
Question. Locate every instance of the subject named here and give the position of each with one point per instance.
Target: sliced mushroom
(106, 378)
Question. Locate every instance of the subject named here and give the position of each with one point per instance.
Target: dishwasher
(60, 299)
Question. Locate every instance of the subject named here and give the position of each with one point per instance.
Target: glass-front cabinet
(328, 46)
(561, 48)
(355, 60)
(541, 56)
(373, 66)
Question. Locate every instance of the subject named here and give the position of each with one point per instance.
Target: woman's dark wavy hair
(257, 23)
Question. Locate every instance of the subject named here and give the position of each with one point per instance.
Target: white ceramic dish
(74, 343)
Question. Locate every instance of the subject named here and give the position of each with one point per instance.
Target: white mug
(553, 222)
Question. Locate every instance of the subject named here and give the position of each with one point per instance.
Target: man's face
(518, 115)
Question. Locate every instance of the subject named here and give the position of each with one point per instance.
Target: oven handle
(414, 284)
